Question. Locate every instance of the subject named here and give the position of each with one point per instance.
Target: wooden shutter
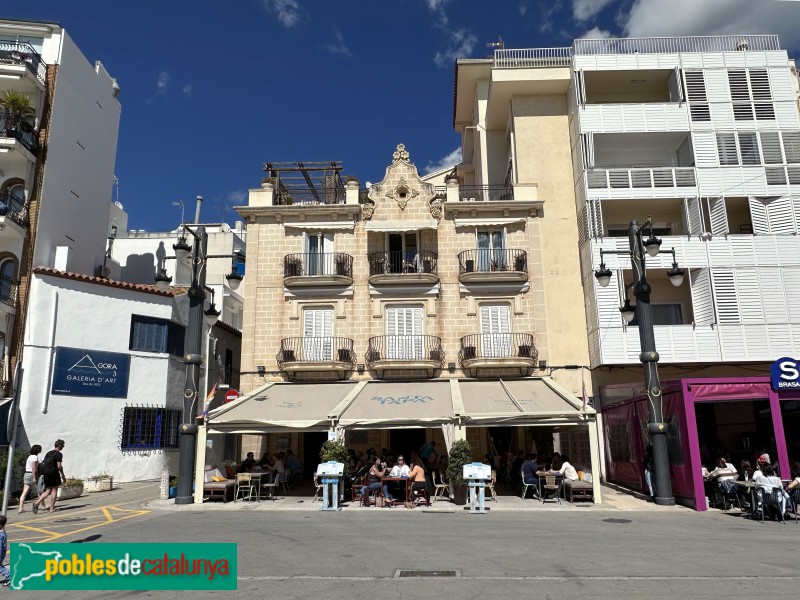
(695, 86)
(495, 330)
(780, 215)
(705, 149)
(702, 300)
(587, 143)
(726, 149)
(725, 296)
(771, 148)
(758, 215)
(597, 218)
(693, 218)
(676, 93)
(317, 333)
(718, 216)
(580, 88)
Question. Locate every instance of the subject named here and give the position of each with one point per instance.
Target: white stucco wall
(79, 171)
(95, 317)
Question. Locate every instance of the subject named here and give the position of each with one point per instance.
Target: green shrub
(460, 454)
(333, 450)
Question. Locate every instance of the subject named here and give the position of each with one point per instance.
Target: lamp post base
(659, 501)
(184, 500)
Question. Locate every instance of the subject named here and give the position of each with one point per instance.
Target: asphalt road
(530, 555)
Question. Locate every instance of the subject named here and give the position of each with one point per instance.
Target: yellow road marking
(109, 518)
(36, 529)
(96, 525)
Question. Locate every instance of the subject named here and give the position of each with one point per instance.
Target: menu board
(330, 468)
(477, 471)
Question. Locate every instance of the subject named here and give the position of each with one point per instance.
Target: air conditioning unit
(102, 271)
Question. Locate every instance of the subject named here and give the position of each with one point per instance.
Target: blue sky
(211, 89)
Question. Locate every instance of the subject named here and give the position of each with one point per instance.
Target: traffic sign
(231, 395)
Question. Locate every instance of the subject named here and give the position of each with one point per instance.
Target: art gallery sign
(80, 372)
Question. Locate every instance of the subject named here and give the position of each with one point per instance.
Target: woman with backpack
(52, 472)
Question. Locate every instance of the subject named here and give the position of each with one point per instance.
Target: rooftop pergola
(317, 182)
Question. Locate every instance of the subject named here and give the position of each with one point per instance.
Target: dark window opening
(149, 428)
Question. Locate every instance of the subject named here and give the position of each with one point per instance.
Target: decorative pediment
(401, 187)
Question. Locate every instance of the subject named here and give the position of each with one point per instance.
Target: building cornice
(504, 207)
(299, 213)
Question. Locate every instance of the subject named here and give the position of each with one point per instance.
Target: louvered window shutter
(580, 88)
(737, 82)
(749, 296)
(695, 86)
(692, 216)
(758, 215)
(759, 84)
(791, 146)
(725, 296)
(780, 215)
(748, 148)
(791, 289)
(726, 149)
(771, 148)
(773, 304)
(702, 301)
(597, 217)
(718, 216)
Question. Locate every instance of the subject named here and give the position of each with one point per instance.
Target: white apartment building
(58, 137)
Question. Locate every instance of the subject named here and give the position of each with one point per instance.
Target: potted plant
(102, 482)
(71, 488)
(16, 106)
(460, 454)
(333, 450)
(293, 267)
(520, 263)
(173, 486)
(341, 265)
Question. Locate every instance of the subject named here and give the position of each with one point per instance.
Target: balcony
(405, 352)
(22, 131)
(665, 182)
(403, 267)
(484, 193)
(497, 351)
(8, 291)
(13, 207)
(308, 269)
(18, 54)
(500, 265)
(316, 354)
(532, 58)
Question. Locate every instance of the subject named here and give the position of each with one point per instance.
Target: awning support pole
(594, 451)
(200, 463)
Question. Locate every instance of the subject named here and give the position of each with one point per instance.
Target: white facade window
(404, 332)
(492, 255)
(318, 333)
(747, 87)
(759, 148)
(495, 330)
(318, 253)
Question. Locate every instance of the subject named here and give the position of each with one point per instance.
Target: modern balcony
(485, 193)
(483, 351)
(307, 269)
(13, 207)
(664, 182)
(8, 291)
(316, 354)
(405, 353)
(403, 267)
(22, 131)
(499, 265)
(19, 54)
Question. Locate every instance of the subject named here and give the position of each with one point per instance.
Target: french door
(495, 330)
(318, 334)
(404, 333)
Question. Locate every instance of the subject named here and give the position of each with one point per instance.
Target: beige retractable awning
(399, 226)
(280, 406)
(521, 402)
(396, 404)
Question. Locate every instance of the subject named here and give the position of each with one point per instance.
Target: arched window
(8, 280)
(18, 190)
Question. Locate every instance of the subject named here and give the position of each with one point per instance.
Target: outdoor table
(397, 478)
(260, 476)
(751, 486)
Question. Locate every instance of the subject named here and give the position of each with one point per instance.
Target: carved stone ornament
(401, 153)
(367, 209)
(251, 219)
(436, 208)
(403, 192)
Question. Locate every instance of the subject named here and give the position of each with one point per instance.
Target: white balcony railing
(666, 45)
(635, 117)
(526, 58)
(667, 178)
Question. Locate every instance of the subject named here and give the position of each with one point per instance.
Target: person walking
(29, 479)
(52, 471)
(4, 572)
(648, 471)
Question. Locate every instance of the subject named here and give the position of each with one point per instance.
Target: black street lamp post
(193, 345)
(649, 357)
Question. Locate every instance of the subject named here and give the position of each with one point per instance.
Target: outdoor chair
(490, 486)
(773, 497)
(732, 496)
(271, 486)
(551, 485)
(440, 489)
(317, 488)
(245, 484)
(525, 486)
(295, 480)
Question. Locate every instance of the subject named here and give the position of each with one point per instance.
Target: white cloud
(187, 89)
(339, 47)
(161, 86)
(523, 8)
(584, 10)
(462, 42)
(237, 197)
(713, 17)
(595, 33)
(288, 12)
(448, 160)
(437, 8)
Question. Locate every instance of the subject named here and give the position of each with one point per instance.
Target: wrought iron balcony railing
(407, 348)
(20, 53)
(8, 290)
(486, 260)
(500, 346)
(403, 263)
(18, 128)
(480, 193)
(327, 349)
(13, 207)
(331, 195)
(310, 264)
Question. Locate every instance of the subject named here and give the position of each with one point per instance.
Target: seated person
(793, 490)
(267, 461)
(566, 469)
(399, 470)
(293, 463)
(529, 469)
(280, 468)
(247, 464)
(766, 481)
(417, 476)
(725, 475)
(376, 471)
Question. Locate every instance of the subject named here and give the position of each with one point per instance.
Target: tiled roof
(134, 287)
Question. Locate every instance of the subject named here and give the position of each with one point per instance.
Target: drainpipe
(198, 206)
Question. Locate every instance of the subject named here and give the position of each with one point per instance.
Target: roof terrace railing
(19, 53)
(532, 57)
(666, 45)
